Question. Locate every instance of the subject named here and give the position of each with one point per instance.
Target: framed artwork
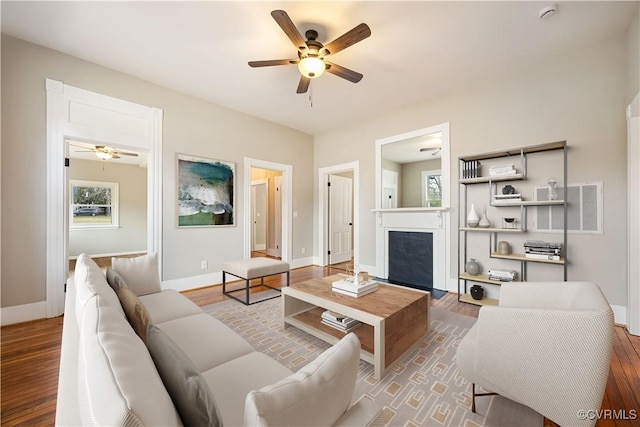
(206, 192)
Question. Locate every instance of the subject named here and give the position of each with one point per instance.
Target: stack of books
(538, 249)
(503, 275)
(502, 170)
(471, 169)
(352, 288)
(339, 322)
(506, 198)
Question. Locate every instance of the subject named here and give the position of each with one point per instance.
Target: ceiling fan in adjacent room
(105, 152)
(435, 150)
(312, 54)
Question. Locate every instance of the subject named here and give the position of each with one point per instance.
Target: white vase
(484, 221)
(472, 218)
(551, 185)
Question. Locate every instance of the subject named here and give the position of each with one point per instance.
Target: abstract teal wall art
(206, 190)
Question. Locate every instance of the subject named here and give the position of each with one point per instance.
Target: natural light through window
(93, 204)
(432, 189)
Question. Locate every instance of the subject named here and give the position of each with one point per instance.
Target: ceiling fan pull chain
(311, 96)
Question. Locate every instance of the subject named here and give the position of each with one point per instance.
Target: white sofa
(181, 366)
(547, 345)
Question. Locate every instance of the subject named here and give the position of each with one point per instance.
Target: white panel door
(259, 214)
(340, 218)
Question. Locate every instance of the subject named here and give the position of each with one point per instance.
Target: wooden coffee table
(394, 318)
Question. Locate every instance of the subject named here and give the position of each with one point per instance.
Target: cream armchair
(547, 346)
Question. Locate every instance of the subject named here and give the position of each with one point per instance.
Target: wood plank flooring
(30, 354)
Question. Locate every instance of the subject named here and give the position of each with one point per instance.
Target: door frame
(74, 113)
(323, 200)
(254, 184)
(287, 204)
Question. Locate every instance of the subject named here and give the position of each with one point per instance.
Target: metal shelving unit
(521, 153)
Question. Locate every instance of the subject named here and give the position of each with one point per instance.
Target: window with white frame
(432, 189)
(584, 209)
(93, 204)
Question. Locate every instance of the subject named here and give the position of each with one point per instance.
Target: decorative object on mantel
(504, 248)
(484, 221)
(477, 292)
(553, 193)
(509, 223)
(472, 267)
(472, 218)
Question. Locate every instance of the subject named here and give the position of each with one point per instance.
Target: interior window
(93, 204)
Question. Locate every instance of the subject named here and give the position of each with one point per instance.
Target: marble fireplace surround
(435, 221)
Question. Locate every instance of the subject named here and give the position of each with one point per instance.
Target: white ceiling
(417, 50)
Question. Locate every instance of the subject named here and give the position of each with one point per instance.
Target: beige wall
(633, 57)
(190, 126)
(580, 97)
(131, 235)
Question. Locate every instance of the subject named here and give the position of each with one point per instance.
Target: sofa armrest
(67, 408)
(552, 295)
(365, 412)
(318, 394)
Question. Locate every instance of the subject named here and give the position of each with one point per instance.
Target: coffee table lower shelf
(310, 322)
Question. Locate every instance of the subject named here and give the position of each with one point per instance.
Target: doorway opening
(266, 213)
(280, 179)
(338, 213)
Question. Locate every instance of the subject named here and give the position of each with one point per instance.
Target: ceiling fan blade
(349, 38)
(289, 29)
(115, 156)
(125, 154)
(272, 62)
(343, 72)
(303, 86)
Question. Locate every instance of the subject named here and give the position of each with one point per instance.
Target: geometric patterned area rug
(423, 388)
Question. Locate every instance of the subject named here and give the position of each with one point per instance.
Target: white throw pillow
(140, 273)
(316, 395)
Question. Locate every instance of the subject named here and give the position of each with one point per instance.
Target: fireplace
(410, 259)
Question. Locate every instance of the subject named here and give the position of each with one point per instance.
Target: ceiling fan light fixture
(103, 156)
(311, 67)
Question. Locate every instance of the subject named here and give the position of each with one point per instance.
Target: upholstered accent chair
(546, 345)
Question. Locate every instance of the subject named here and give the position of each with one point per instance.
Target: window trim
(115, 205)
(425, 187)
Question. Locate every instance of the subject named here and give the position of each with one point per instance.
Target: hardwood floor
(30, 354)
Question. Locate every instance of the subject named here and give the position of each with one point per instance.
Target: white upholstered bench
(253, 268)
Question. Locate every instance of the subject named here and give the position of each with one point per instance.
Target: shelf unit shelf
(521, 257)
(484, 301)
(492, 230)
(528, 203)
(513, 155)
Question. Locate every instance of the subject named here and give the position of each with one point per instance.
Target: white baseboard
(193, 282)
(619, 314)
(273, 252)
(260, 247)
(301, 262)
(109, 255)
(23, 313)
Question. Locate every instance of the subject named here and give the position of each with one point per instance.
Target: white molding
(301, 262)
(111, 254)
(633, 216)
(80, 114)
(619, 314)
(287, 204)
(193, 282)
(23, 313)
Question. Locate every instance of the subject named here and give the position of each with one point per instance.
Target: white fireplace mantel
(435, 221)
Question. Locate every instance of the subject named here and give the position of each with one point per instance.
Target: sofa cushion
(187, 387)
(136, 312)
(206, 340)
(140, 273)
(232, 381)
(118, 383)
(90, 281)
(318, 394)
(115, 280)
(168, 305)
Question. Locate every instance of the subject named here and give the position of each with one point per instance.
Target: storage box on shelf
(515, 170)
